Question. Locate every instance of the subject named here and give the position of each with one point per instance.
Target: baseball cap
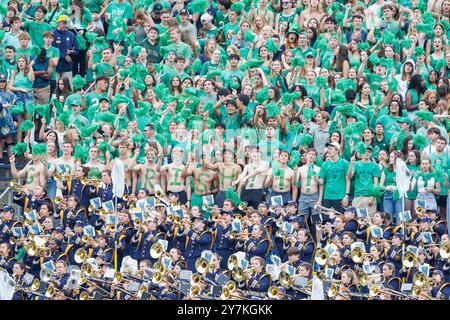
(79, 223)
(405, 120)
(202, 219)
(2, 77)
(62, 18)
(369, 147)
(104, 98)
(350, 209)
(157, 7)
(398, 235)
(333, 144)
(8, 208)
(76, 102)
(206, 17)
(426, 219)
(184, 12)
(310, 53)
(292, 203)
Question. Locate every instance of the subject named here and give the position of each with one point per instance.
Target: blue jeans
(393, 207)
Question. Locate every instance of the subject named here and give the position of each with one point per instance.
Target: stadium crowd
(218, 149)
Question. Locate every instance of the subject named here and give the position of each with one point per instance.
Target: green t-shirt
(53, 52)
(227, 76)
(334, 175)
(363, 173)
(36, 30)
(390, 124)
(390, 177)
(7, 67)
(92, 99)
(182, 50)
(118, 12)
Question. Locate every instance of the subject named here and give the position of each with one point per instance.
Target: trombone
(274, 291)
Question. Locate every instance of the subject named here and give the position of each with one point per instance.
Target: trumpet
(62, 176)
(324, 210)
(95, 182)
(239, 275)
(59, 200)
(159, 267)
(195, 279)
(243, 206)
(13, 184)
(357, 255)
(46, 275)
(215, 216)
(44, 252)
(420, 211)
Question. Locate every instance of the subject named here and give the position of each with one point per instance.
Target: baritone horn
(201, 265)
(444, 250)
(409, 259)
(321, 256)
(156, 250)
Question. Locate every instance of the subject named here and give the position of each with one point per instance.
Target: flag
(402, 176)
(7, 286)
(118, 178)
(317, 290)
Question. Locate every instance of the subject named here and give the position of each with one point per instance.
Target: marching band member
(258, 280)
